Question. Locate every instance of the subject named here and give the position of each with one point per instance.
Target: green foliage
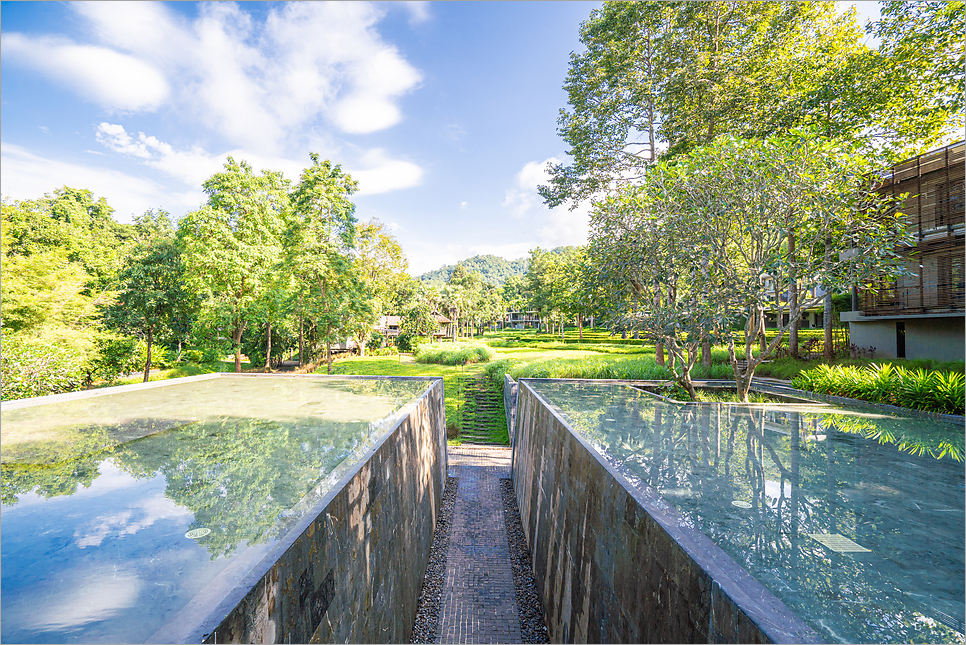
(923, 73)
(453, 353)
(418, 322)
(932, 391)
(634, 369)
(29, 368)
(711, 237)
(232, 244)
(151, 292)
(494, 270)
(388, 350)
(407, 342)
(683, 73)
(117, 355)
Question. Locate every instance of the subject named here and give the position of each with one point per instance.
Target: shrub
(118, 355)
(406, 342)
(36, 369)
(388, 350)
(931, 391)
(454, 354)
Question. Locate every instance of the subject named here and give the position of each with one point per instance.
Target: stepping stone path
(483, 411)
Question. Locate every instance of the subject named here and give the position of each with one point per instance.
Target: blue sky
(444, 112)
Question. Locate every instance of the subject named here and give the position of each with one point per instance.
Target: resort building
(920, 315)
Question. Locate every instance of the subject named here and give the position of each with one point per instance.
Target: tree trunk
(827, 324)
(147, 362)
(301, 339)
(792, 300)
(236, 338)
(328, 349)
(706, 353)
(580, 325)
(659, 353)
(762, 341)
(179, 349)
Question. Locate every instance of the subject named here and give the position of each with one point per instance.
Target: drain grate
(838, 543)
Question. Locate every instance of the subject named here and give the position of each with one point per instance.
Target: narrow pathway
(478, 603)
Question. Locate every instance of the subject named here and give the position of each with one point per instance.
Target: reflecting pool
(128, 514)
(854, 518)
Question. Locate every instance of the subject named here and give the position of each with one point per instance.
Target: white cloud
(44, 129)
(380, 174)
(418, 11)
(128, 522)
(260, 83)
(453, 132)
(565, 227)
(463, 205)
(522, 197)
(28, 176)
(116, 81)
(561, 227)
(86, 598)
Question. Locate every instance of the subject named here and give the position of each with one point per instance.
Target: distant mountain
(494, 270)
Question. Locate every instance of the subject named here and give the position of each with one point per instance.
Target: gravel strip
(532, 625)
(427, 613)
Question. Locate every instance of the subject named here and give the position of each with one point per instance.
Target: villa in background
(388, 326)
(921, 315)
(521, 320)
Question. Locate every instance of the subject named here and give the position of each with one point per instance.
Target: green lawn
(454, 377)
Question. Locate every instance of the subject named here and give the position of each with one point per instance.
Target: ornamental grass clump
(931, 391)
(454, 354)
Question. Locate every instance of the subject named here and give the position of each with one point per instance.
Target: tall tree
(319, 243)
(151, 290)
(381, 265)
(230, 245)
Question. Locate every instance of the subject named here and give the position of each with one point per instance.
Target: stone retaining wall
(510, 403)
(352, 571)
(614, 563)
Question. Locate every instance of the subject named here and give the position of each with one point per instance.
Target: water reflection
(785, 490)
(100, 496)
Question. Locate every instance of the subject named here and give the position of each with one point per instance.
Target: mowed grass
(454, 377)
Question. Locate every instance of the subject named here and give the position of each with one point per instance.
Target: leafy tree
(150, 286)
(319, 243)
(923, 74)
(514, 293)
(382, 266)
(676, 75)
(707, 238)
(230, 245)
(418, 322)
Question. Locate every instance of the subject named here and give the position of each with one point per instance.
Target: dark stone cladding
(614, 563)
(353, 568)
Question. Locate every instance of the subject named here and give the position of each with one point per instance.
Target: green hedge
(931, 391)
(36, 369)
(453, 354)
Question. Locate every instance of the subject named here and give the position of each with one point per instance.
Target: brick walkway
(478, 600)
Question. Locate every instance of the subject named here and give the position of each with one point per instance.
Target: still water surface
(127, 517)
(854, 519)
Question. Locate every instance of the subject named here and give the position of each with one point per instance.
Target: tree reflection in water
(759, 480)
(238, 476)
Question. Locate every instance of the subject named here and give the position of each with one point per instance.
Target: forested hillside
(495, 270)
